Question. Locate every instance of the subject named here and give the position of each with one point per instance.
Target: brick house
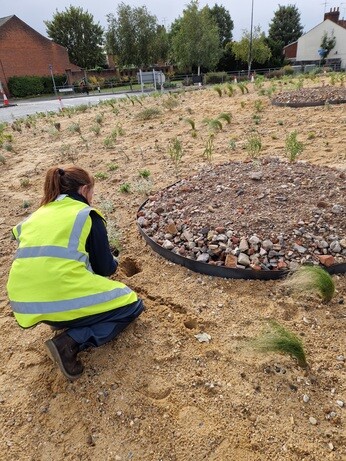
(23, 51)
(305, 50)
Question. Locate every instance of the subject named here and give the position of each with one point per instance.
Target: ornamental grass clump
(275, 338)
(311, 279)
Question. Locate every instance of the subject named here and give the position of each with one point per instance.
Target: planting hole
(130, 267)
(191, 324)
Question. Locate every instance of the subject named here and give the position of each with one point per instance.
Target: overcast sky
(34, 12)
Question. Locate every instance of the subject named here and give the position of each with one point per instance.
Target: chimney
(333, 15)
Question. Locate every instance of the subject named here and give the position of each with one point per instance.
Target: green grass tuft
(276, 338)
(312, 279)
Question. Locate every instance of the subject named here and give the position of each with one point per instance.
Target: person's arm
(97, 245)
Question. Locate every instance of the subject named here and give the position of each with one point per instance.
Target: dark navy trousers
(98, 329)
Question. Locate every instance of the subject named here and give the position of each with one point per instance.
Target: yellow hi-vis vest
(51, 277)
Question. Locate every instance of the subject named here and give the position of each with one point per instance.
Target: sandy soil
(156, 393)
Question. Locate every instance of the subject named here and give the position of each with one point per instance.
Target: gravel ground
(312, 96)
(264, 215)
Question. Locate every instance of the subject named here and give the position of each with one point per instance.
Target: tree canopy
(134, 37)
(76, 30)
(260, 51)
(224, 23)
(195, 38)
(284, 28)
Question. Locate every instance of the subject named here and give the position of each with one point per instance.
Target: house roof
(5, 19)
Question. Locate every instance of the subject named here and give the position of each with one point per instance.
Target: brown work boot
(63, 350)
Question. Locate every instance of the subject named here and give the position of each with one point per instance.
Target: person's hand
(114, 251)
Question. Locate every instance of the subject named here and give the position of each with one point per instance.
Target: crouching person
(59, 273)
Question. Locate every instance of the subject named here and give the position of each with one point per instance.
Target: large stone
(231, 261)
(326, 260)
(243, 260)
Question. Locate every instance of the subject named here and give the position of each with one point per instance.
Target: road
(29, 107)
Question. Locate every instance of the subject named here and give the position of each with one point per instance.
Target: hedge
(32, 85)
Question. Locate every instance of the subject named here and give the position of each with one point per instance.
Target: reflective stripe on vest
(70, 304)
(60, 252)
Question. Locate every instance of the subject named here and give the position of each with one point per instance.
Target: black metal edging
(222, 271)
(307, 104)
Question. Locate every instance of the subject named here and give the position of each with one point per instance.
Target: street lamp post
(250, 44)
(51, 73)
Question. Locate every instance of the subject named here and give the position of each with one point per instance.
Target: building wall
(23, 51)
(309, 43)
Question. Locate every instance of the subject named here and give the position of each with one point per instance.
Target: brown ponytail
(64, 180)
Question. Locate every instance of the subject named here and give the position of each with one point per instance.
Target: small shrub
(276, 338)
(112, 166)
(288, 70)
(101, 176)
(256, 118)
(74, 128)
(311, 279)
(211, 78)
(232, 144)
(293, 146)
(170, 103)
(125, 188)
(258, 104)
(99, 119)
(144, 174)
(148, 114)
(25, 182)
(96, 129)
(254, 145)
(176, 152)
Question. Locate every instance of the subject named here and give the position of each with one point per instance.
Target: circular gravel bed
(311, 97)
(266, 215)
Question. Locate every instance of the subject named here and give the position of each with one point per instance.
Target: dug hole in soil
(182, 383)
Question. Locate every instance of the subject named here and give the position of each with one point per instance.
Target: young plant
(170, 103)
(191, 123)
(176, 152)
(148, 114)
(125, 188)
(144, 174)
(209, 148)
(112, 166)
(243, 88)
(101, 176)
(276, 338)
(254, 145)
(74, 128)
(213, 124)
(2, 159)
(230, 89)
(96, 129)
(218, 90)
(226, 117)
(258, 104)
(311, 279)
(293, 146)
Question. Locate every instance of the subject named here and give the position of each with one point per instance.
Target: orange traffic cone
(5, 100)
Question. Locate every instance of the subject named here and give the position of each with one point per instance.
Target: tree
(260, 51)
(132, 36)
(196, 39)
(284, 28)
(327, 44)
(75, 30)
(224, 23)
